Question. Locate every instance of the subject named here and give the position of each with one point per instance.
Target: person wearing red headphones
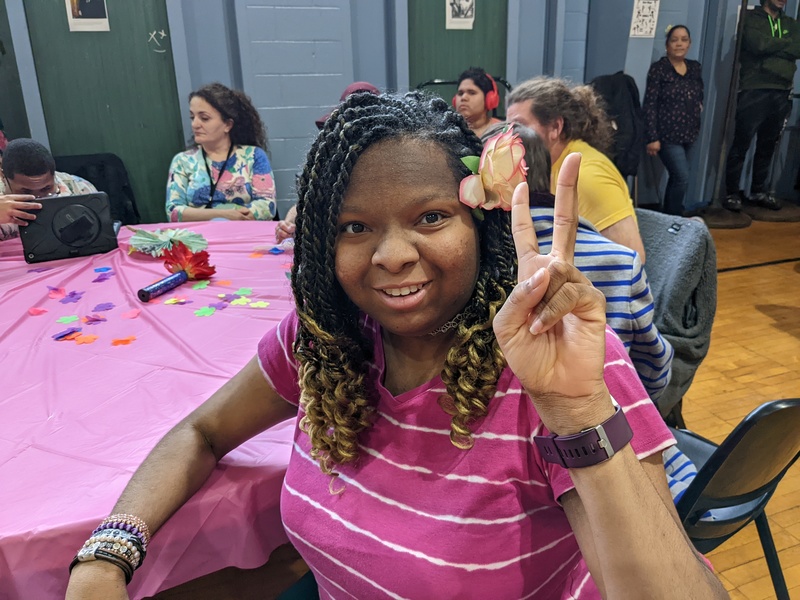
(475, 99)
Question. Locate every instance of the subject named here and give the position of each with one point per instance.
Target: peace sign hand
(552, 327)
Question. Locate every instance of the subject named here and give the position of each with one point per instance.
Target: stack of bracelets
(119, 539)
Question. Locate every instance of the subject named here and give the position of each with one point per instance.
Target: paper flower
(180, 258)
(500, 170)
(155, 243)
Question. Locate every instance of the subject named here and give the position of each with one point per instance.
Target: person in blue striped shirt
(614, 269)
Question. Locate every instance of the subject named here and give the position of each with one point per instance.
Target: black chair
(736, 479)
(108, 174)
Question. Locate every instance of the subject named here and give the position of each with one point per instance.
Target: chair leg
(775, 571)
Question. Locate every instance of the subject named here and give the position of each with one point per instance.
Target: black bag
(621, 97)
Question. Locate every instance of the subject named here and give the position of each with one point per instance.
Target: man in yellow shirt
(569, 119)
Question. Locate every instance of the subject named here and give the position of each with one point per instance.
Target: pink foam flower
(501, 169)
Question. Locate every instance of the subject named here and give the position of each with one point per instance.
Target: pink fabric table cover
(77, 419)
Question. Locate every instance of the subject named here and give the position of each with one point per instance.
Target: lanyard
(219, 175)
(775, 26)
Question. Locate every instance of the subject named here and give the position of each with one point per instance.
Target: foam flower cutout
(500, 170)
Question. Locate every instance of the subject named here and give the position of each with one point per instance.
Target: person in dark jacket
(770, 49)
(673, 100)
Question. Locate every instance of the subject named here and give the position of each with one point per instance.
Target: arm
(605, 202)
(617, 510)
(182, 461)
(626, 233)
(650, 105)
(14, 209)
(263, 204)
(285, 228)
(760, 43)
(177, 184)
(177, 206)
(633, 544)
(650, 353)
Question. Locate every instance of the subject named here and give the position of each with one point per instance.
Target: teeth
(405, 291)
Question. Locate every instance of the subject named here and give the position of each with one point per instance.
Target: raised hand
(552, 327)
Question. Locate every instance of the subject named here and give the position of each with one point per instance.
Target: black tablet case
(69, 226)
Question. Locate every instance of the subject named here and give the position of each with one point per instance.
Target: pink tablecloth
(76, 419)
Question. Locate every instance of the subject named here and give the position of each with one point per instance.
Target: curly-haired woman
(225, 173)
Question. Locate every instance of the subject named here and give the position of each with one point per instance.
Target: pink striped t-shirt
(418, 517)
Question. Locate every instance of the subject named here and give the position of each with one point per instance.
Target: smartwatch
(588, 447)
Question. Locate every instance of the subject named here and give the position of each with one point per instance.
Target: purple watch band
(588, 447)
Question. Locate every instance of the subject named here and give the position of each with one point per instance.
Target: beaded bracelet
(124, 543)
(127, 522)
(120, 539)
(96, 553)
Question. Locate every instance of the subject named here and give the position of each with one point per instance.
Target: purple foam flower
(219, 305)
(104, 276)
(103, 307)
(62, 334)
(71, 298)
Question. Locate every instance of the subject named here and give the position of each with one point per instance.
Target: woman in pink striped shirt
(438, 366)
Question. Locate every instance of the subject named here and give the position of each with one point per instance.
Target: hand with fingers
(552, 327)
(14, 209)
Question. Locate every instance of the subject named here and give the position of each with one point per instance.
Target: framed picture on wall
(87, 15)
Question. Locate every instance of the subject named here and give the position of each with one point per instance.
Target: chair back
(682, 271)
(739, 477)
(108, 174)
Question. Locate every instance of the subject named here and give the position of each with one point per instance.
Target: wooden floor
(754, 357)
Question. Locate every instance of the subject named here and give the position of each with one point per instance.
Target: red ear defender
(492, 98)
(455, 101)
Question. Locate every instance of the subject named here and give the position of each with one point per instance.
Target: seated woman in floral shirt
(227, 173)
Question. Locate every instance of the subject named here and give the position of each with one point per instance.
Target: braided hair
(248, 128)
(332, 351)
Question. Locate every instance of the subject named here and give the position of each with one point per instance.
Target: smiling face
(470, 100)
(208, 126)
(407, 248)
(678, 43)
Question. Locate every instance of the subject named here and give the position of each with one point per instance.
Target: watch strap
(588, 447)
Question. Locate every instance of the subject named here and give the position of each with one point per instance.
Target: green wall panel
(111, 91)
(12, 104)
(436, 52)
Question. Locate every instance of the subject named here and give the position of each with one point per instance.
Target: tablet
(69, 226)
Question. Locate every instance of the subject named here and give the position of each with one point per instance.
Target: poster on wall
(87, 15)
(645, 17)
(460, 14)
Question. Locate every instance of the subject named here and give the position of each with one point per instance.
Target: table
(76, 419)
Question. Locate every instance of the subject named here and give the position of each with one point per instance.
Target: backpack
(620, 95)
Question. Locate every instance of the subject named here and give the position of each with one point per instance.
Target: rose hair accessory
(499, 170)
(184, 265)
